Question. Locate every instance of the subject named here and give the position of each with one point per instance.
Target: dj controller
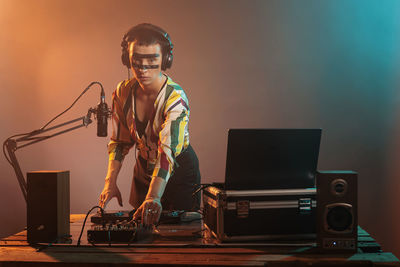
(118, 227)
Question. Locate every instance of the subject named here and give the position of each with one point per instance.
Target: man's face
(145, 62)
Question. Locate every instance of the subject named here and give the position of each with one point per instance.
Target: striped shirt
(166, 134)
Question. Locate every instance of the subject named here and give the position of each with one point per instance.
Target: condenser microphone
(102, 116)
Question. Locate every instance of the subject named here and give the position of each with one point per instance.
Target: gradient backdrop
(265, 64)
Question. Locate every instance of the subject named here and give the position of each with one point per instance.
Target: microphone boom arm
(32, 138)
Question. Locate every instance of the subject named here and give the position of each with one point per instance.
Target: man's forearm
(156, 188)
(114, 166)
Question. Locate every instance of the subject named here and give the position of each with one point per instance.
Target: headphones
(167, 56)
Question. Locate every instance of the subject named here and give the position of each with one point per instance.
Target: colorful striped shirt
(166, 134)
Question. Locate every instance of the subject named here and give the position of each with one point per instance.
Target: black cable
(53, 119)
(93, 244)
(43, 247)
(5, 144)
(76, 100)
(198, 188)
(84, 222)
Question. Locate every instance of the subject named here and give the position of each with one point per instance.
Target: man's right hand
(110, 191)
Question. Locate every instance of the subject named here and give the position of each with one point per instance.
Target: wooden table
(182, 245)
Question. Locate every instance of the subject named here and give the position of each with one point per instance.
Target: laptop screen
(271, 158)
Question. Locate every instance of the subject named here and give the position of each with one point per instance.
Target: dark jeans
(178, 194)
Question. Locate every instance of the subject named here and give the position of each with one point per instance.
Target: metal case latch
(305, 205)
(242, 208)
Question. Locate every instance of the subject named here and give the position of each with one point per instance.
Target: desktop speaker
(337, 211)
(47, 206)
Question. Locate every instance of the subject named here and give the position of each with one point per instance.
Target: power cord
(84, 222)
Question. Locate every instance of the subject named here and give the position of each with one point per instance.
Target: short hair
(149, 37)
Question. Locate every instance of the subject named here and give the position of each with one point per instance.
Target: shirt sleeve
(173, 137)
(121, 139)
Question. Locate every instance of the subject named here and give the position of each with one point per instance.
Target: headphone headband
(130, 36)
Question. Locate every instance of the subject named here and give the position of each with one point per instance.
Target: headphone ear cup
(168, 60)
(125, 54)
(125, 59)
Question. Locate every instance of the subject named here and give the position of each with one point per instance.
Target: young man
(152, 112)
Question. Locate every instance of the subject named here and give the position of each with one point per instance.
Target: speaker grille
(339, 218)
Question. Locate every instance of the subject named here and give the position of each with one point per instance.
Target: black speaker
(48, 206)
(337, 211)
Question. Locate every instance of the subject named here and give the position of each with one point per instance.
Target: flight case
(239, 215)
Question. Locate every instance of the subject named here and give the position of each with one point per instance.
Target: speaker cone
(339, 218)
(339, 187)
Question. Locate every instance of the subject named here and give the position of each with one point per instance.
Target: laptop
(260, 159)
